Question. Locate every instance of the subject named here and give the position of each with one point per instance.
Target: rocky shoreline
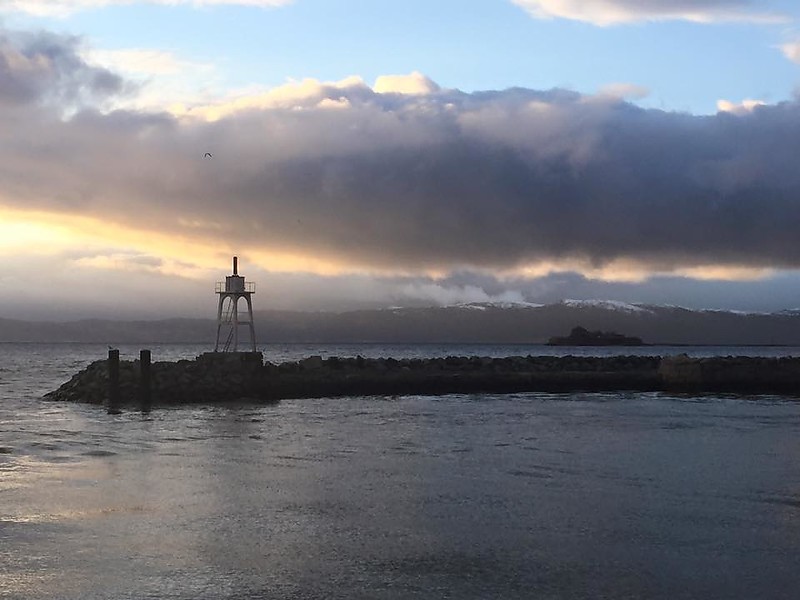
(226, 377)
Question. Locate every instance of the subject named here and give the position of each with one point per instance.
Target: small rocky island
(580, 336)
(243, 376)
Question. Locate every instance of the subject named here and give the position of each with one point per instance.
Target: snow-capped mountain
(496, 305)
(607, 305)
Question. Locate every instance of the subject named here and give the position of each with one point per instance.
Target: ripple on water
(45, 446)
(99, 453)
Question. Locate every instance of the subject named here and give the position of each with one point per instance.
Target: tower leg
(219, 321)
(250, 322)
(235, 301)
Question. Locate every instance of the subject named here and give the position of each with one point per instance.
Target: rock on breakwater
(211, 377)
(732, 374)
(222, 377)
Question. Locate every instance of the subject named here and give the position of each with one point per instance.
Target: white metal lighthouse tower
(230, 292)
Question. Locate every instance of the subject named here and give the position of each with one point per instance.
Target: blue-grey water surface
(614, 495)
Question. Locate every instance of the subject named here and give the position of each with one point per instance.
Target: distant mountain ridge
(464, 323)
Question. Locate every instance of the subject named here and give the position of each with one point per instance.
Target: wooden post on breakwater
(145, 397)
(113, 381)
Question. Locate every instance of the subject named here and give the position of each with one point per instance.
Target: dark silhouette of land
(580, 336)
(456, 324)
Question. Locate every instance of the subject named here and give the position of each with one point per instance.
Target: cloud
(62, 8)
(125, 261)
(44, 67)
(612, 12)
(142, 61)
(624, 91)
(791, 50)
(162, 78)
(295, 95)
(745, 106)
(431, 293)
(415, 83)
(413, 184)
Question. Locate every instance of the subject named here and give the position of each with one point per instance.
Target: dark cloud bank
(447, 180)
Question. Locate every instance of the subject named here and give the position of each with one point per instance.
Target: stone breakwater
(218, 377)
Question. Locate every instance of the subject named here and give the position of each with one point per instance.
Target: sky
(368, 154)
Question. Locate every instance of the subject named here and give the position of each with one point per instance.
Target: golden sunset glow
(725, 273)
(112, 246)
(629, 271)
(50, 234)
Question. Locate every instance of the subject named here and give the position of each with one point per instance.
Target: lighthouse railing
(249, 286)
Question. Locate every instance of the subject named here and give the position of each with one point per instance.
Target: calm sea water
(467, 496)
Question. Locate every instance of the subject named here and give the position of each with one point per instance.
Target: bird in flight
(208, 155)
